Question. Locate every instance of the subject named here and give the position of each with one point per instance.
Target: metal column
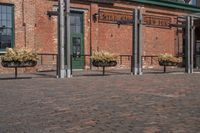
(135, 43)
(58, 48)
(140, 42)
(67, 41)
(187, 45)
(61, 50)
(192, 45)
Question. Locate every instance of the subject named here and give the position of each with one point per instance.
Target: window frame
(13, 25)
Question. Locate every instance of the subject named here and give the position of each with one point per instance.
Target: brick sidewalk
(166, 103)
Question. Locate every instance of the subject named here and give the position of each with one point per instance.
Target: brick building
(94, 26)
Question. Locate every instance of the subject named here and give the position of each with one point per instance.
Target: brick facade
(34, 29)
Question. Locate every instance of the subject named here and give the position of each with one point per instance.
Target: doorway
(77, 43)
(197, 48)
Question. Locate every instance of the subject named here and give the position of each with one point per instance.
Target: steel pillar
(136, 67)
(187, 45)
(192, 45)
(67, 41)
(58, 48)
(140, 42)
(61, 49)
(135, 43)
(189, 54)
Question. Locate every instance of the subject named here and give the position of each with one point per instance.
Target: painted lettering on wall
(158, 21)
(116, 17)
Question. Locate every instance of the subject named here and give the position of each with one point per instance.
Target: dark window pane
(78, 20)
(9, 32)
(3, 9)
(3, 16)
(6, 26)
(9, 16)
(72, 20)
(78, 29)
(5, 41)
(9, 24)
(9, 9)
(4, 32)
(76, 45)
(73, 29)
(4, 23)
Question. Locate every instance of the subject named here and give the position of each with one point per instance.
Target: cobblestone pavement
(161, 103)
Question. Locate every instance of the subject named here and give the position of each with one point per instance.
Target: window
(76, 23)
(193, 2)
(6, 26)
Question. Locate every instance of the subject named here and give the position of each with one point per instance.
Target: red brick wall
(118, 38)
(34, 29)
(24, 24)
(46, 28)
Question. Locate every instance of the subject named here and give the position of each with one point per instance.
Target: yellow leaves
(168, 58)
(104, 56)
(22, 54)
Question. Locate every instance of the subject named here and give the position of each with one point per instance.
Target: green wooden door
(77, 45)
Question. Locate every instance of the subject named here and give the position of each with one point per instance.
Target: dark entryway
(197, 47)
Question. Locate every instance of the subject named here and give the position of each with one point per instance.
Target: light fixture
(95, 16)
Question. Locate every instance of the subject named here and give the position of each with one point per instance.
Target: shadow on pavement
(12, 78)
(44, 75)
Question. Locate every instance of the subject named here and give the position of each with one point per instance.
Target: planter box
(14, 64)
(104, 64)
(18, 64)
(167, 63)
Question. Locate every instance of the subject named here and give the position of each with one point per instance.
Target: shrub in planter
(168, 60)
(19, 57)
(104, 59)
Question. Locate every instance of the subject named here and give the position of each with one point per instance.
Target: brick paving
(152, 103)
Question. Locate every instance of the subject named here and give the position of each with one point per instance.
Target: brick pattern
(95, 104)
(34, 29)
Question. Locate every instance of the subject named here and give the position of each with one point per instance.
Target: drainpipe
(23, 22)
